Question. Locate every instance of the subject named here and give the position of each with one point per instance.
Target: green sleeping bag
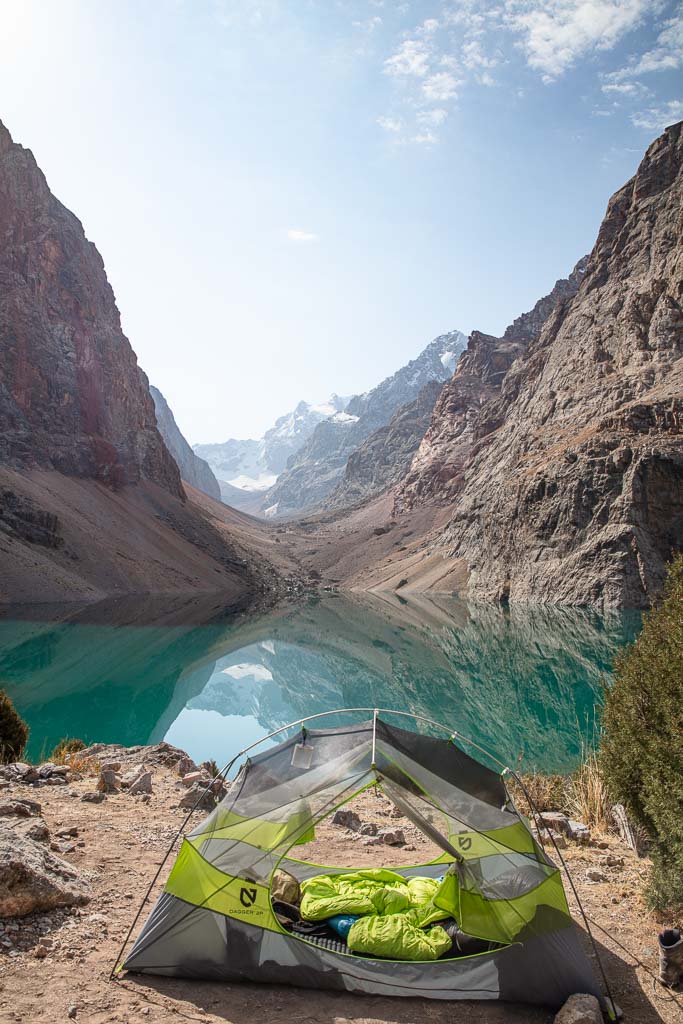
(375, 891)
(399, 937)
(394, 912)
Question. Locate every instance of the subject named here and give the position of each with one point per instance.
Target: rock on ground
(580, 1009)
(31, 878)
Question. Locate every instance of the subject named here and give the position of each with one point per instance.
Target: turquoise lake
(524, 683)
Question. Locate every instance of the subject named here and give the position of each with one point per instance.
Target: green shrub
(642, 752)
(64, 747)
(13, 731)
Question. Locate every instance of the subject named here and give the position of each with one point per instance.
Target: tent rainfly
(215, 919)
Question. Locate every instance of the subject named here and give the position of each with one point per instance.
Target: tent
(215, 919)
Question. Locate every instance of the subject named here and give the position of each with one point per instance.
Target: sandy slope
(139, 539)
(120, 843)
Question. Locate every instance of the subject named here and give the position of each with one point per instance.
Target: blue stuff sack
(341, 923)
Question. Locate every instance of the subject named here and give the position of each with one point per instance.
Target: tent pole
(611, 1009)
(388, 711)
(181, 829)
(374, 738)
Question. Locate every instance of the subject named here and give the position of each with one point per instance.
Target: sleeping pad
(393, 912)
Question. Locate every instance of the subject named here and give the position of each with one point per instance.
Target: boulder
(595, 875)
(108, 781)
(557, 821)
(31, 878)
(580, 1009)
(347, 819)
(199, 795)
(30, 828)
(196, 776)
(143, 784)
(15, 808)
(368, 828)
(93, 798)
(392, 837)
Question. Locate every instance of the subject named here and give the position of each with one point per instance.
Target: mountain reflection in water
(522, 682)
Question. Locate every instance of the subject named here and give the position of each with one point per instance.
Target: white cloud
(627, 89)
(441, 86)
(556, 33)
(425, 138)
(473, 56)
(432, 117)
(429, 26)
(369, 25)
(666, 55)
(390, 124)
(656, 119)
(411, 58)
(297, 235)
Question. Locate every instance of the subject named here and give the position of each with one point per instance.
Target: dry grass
(589, 800)
(547, 792)
(582, 796)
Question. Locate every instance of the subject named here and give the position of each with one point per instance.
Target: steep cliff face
(573, 492)
(192, 469)
(72, 396)
(318, 467)
(466, 406)
(91, 501)
(385, 457)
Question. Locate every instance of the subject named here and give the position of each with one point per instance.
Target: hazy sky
(292, 197)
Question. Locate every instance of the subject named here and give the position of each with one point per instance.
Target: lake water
(522, 682)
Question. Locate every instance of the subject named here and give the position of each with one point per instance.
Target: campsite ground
(121, 841)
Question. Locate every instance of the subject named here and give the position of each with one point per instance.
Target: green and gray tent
(215, 918)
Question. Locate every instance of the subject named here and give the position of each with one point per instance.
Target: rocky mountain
(570, 488)
(469, 397)
(91, 500)
(72, 396)
(194, 470)
(250, 466)
(313, 473)
(385, 457)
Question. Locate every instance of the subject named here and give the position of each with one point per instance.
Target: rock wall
(194, 470)
(466, 406)
(385, 457)
(72, 396)
(572, 491)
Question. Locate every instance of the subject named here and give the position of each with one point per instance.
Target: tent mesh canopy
(215, 917)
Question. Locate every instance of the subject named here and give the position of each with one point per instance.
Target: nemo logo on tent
(465, 842)
(247, 896)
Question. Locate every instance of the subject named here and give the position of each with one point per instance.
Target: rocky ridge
(385, 457)
(245, 468)
(313, 473)
(569, 488)
(194, 470)
(465, 407)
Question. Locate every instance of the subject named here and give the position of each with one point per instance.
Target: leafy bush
(642, 753)
(13, 731)
(64, 747)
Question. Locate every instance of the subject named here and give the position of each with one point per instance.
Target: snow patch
(259, 673)
(344, 417)
(253, 483)
(271, 510)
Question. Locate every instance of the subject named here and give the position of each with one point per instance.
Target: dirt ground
(119, 844)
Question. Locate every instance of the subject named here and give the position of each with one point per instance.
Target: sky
(293, 197)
